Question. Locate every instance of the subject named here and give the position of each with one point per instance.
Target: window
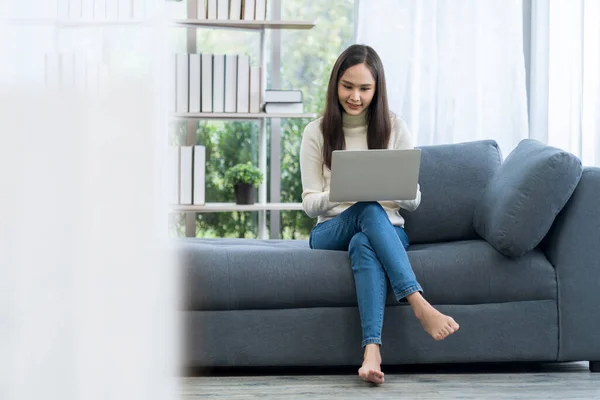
(307, 57)
(306, 61)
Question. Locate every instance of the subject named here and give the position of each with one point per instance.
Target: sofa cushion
(529, 189)
(452, 177)
(241, 274)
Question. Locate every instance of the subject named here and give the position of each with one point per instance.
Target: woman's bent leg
(373, 221)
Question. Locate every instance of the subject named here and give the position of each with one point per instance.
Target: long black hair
(378, 115)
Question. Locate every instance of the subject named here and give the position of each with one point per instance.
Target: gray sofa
(513, 255)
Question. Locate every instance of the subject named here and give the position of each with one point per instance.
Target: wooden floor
(480, 381)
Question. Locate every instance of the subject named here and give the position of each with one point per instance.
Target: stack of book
(78, 71)
(101, 9)
(215, 83)
(187, 171)
(283, 101)
(232, 10)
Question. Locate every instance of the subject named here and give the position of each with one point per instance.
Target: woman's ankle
(372, 350)
(417, 302)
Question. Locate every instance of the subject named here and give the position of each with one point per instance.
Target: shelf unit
(66, 23)
(244, 116)
(191, 25)
(228, 207)
(98, 23)
(243, 24)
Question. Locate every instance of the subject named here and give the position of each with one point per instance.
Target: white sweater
(316, 177)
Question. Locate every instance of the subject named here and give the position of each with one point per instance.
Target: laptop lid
(374, 175)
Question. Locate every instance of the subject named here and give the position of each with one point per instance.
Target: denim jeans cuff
(371, 341)
(409, 290)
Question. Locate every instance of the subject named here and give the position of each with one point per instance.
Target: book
(80, 72)
(125, 9)
(182, 83)
(199, 175)
(67, 70)
(112, 9)
(283, 96)
(231, 83)
(103, 79)
(222, 9)
(151, 8)
(284, 108)
(87, 10)
(207, 83)
(47, 9)
(62, 11)
(139, 9)
(52, 70)
(260, 13)
(92, 77)
(75, 9)
(172, 84)
(212, 9)
(235, 10)
(218, 83)
(201, 9)
(175, 9)
(243, 84)
(195, 86)
(185, 174)
(100, 9)
(173, 175)
(248, 10)
(255, 90)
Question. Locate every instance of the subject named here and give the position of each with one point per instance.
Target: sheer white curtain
(565, 76)
(455, 68)
(87, 284)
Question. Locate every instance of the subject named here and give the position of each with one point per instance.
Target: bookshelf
(229, 207)
(259, 26)
(100, 23)
(248, 25)
(74, 23)
(243, 116)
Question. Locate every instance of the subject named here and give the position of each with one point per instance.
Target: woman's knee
(370, 209)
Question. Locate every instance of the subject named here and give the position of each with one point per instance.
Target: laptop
(374, 175)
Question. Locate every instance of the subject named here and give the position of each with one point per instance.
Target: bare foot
(438, 325)
(371, 367)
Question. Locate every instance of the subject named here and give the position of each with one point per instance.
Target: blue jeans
(376, 249)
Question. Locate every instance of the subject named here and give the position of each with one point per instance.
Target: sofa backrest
(452, 178)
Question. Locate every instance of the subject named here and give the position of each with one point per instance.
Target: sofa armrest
(573, 247)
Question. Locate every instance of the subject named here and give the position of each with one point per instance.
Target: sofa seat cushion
(236, 274)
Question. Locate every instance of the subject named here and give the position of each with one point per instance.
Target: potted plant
(244, 178)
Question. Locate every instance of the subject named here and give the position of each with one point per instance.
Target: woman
(357, 117)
